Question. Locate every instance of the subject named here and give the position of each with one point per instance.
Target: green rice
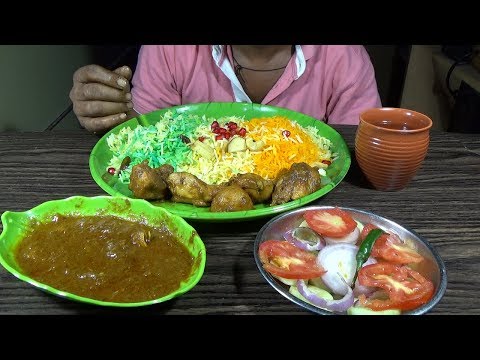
(158, 144)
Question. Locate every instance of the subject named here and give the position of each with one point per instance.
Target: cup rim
(398, 109)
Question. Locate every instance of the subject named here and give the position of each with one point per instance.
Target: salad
(341, 265)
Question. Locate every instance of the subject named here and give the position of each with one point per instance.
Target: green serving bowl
(101, 155)
(15, 224)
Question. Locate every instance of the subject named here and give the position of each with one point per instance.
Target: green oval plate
(15, 224)
(101, 155)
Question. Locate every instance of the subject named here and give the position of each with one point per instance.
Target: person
(333, 83)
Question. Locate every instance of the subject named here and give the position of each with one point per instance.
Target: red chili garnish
(286, 133)
(215, 125)
(227, 135)
(232, 125)
(111, 171)
(201, 138)
(222, 131)
(219, 137)
(216, 130)
(242, 132)
(233, 132)
(326, 162)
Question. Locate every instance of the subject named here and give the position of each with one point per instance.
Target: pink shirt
(333, 82)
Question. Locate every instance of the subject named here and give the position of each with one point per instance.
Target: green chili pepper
(365, 249)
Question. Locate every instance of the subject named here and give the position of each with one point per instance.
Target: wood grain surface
(442, 204)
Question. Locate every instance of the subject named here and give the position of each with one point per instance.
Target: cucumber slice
(366, 311)
(318, 282)
(317, 291)
(289, 282)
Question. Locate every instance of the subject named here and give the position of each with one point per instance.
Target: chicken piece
(141, 238)
(299, 181)
(147, 183)
(164, 171)
(279, 176)
(231, 198)
(259, 189)
(187, 188)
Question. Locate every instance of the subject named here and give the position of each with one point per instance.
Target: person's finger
(100, 108)
(124, 71)
(127, 74)
(102, 124)
(98, 74)
(96, 91)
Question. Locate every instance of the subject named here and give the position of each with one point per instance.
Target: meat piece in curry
(231, 198)
(300, 180)
(259, 189)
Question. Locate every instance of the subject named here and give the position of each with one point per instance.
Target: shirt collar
(302, 54)
(308, 50)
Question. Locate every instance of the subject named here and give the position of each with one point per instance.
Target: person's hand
(101, 98)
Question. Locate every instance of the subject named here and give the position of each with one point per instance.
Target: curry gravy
(104, 258)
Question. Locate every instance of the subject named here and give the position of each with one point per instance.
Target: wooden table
(441, 203)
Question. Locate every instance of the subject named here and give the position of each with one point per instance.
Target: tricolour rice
(161, 144)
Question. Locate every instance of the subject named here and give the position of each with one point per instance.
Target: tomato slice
(284, 259)
(366, 229)
(334, 223)
(391, 248)
(394, 250)
(406, 288)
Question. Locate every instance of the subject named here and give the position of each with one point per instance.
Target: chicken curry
(104, 258)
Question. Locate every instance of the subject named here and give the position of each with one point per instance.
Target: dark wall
(113, 56)
(390, 63)
(36, 81)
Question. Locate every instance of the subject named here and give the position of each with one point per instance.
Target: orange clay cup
(399, 137)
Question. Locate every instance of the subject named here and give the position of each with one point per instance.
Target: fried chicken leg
(187, 188)
(300, 180)
(231, 198)
(259, 189)
(148, 183)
